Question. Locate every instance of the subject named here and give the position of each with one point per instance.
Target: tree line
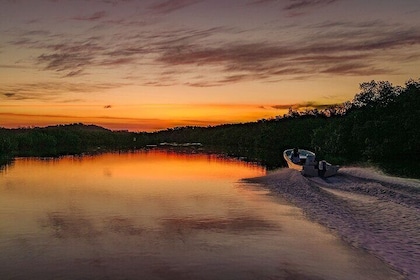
(60, 140)
(381, 125)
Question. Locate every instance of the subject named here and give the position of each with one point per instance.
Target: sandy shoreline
(378, 213)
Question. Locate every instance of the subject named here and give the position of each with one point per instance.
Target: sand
(366, 208)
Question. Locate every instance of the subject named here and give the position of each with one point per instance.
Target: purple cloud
(169, 6)
(93, 17)
(257, 2)
(72, 58)
(44, 91)
(302, 106)
(304, 4)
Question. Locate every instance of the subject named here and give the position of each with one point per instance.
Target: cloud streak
(296, 7)
(299, 5)
(93, 17)
(170, 6)
(302, 106)
(49, 91)
(71, 57)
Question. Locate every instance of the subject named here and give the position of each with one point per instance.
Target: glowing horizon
(155, 64)
(161, 116)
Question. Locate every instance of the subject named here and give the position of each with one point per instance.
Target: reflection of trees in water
(70, 226)
(5, 163)
(74, 224)
(269, 158)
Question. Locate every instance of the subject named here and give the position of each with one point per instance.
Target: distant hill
(81, 126)
(63, 139)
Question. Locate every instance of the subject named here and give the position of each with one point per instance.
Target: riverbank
(367, 209)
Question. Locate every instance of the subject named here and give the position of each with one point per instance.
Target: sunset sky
(152, 64)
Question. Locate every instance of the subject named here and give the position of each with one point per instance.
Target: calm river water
(161, 215)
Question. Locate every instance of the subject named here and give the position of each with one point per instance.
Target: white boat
(308, 166)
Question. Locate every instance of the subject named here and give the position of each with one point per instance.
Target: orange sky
(159, 116)
(154, 64)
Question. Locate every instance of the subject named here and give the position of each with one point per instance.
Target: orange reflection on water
(161, 181)
(183, 170)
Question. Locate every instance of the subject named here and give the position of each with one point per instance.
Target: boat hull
(308, 166)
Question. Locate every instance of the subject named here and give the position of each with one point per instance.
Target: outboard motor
(322, 168)
(310, 160)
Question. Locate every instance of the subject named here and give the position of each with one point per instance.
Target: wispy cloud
(74, 62)
(72, 58)
(12, 66)
(116, 2)
(112, 2)
(260, 2)
(57, 91)
(302, 4)
(295, 7)
(298, 7)
(78, 72)
(169, 6)
(93, 17)
(301, 106)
